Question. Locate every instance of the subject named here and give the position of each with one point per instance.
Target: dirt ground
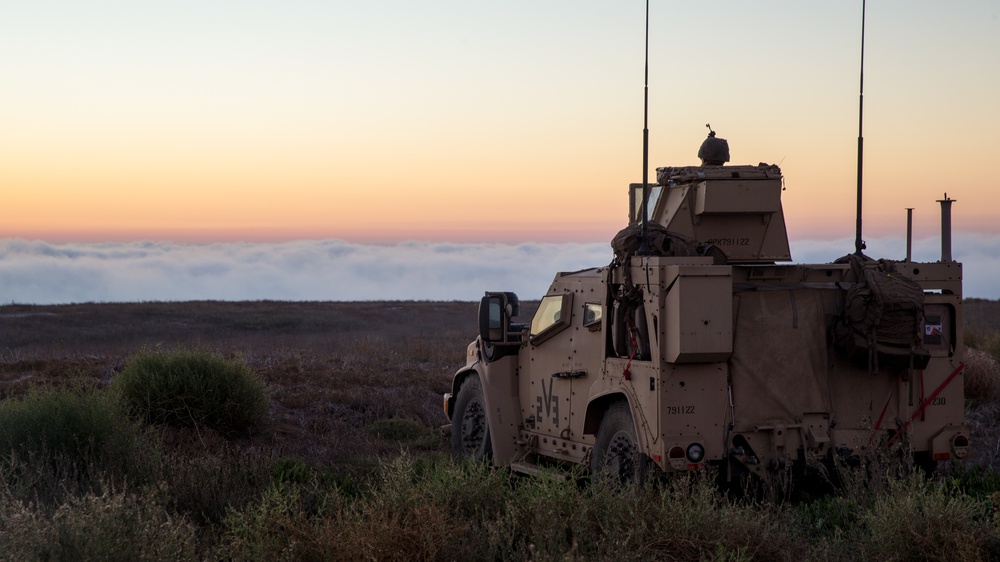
(333, 368)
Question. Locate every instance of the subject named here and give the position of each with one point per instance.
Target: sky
(402, 127)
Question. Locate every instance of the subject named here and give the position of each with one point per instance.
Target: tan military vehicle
(711, 349)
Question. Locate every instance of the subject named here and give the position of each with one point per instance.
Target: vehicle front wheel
(470, 429)
(616, 455)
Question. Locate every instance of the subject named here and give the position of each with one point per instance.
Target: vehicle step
(532, 469)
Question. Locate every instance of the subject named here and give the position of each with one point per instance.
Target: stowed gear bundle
(882, 320)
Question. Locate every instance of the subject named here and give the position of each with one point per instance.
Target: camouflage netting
(882, 312)
(662, 242)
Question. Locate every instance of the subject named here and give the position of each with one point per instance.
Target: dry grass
(981, 315)
(982, 376)
(982, 381)
(111, 525)
(355, 384)
(333, 368)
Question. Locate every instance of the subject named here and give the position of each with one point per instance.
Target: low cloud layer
(41, 273)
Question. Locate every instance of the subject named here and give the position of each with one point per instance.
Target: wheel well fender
(596, 409)
(456, 383)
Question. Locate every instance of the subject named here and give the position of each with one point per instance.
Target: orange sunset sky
(480, 121)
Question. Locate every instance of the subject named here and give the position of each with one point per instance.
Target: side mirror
(495, 312)
(492, 320)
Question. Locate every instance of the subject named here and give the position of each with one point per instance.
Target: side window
(655, 191)
(552, 316)
(592, 315)
(938, 332)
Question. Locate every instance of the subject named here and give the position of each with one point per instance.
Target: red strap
(627, 373)
(926, 402)
(878, 424)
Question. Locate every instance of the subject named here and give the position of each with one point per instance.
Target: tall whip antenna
(859, 244)
(644, 249)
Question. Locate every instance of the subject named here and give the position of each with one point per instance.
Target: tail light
(960, 444)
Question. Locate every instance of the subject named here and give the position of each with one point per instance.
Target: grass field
(350, 464)
(334, 368)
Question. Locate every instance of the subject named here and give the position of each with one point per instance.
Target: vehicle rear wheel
(616, 455)
(470, 429)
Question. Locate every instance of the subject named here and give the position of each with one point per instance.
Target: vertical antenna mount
(946, 228)
(909, 234)
(644, 249)
(859, 243)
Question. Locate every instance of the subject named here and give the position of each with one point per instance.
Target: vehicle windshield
(548, 314)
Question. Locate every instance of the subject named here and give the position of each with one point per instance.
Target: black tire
(470, 428)
(924, 462)
(616, 457)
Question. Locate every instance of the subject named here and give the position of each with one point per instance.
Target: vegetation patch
(408, 434)
(106, 526)
(76, 425)
(982, 376)
(193, 389)
(349, 465)
(920, 519)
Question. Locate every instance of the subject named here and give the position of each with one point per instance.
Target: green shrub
(193, 389)
(290, 522)
(60, 421)
(55, 441)
(107, 526)
(920, 519)
(976, 480)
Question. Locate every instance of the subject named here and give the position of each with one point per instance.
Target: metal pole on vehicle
(909, 234)
(644, 249)
(946, 227)
(859, 243)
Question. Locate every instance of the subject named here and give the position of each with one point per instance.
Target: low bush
(982, 376)
(62, 422)
(976, 480)
(106, 526)
(60, 441)
(193, 389)
(921, 519)
(289, 522)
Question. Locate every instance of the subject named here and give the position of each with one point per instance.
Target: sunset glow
(471, 123)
